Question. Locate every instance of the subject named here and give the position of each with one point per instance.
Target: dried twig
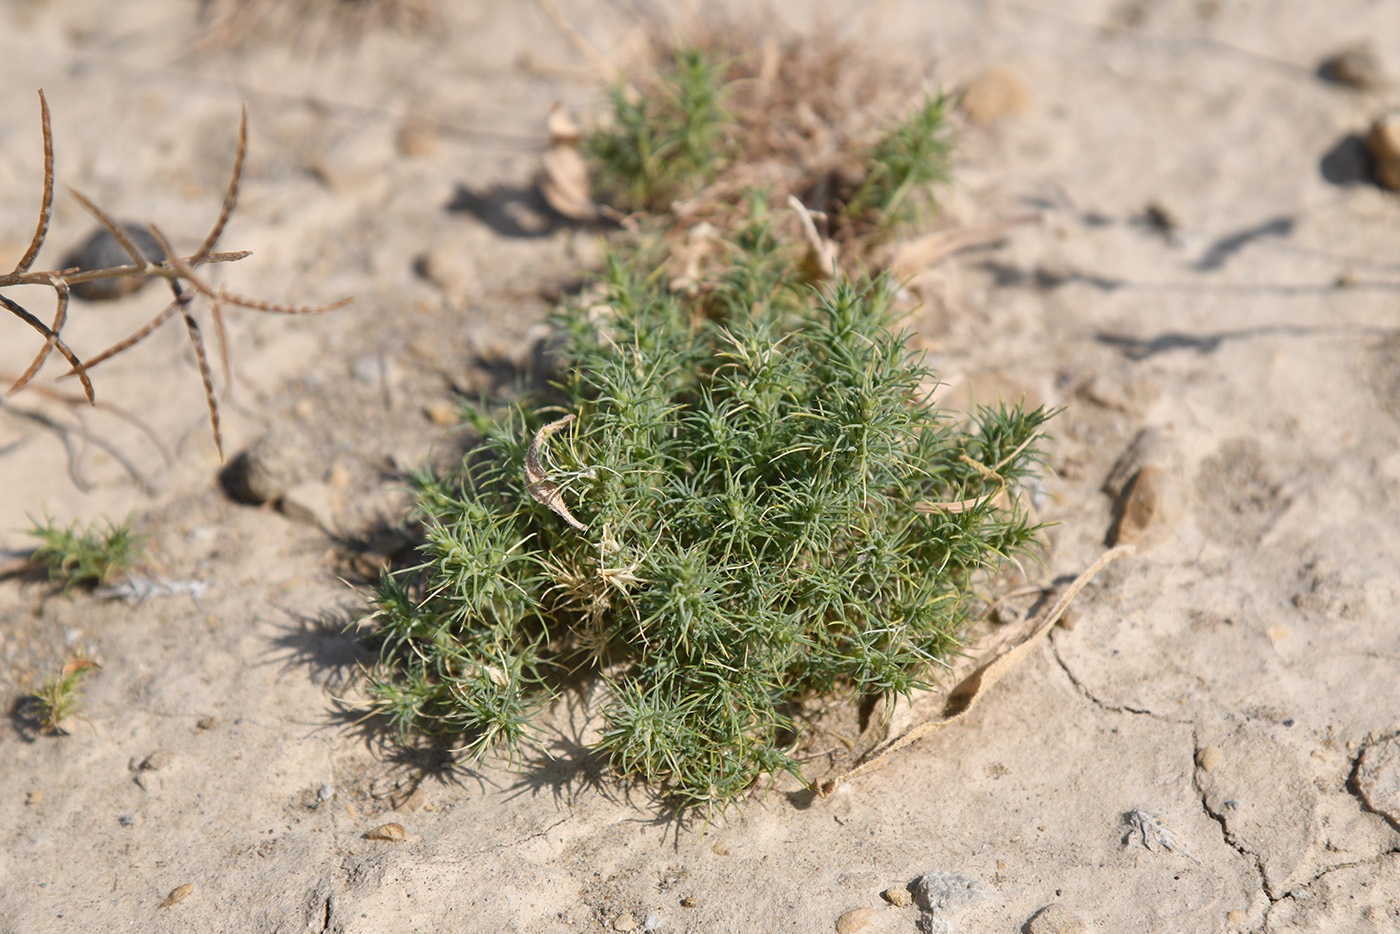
(179, 273)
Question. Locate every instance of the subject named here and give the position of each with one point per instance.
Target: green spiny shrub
(725, 509)
(739, 495)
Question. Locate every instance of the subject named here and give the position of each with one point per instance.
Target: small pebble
(994, 94)
(266, 470)
(452, 268)
(1384, 143)
(441, 412)
(899, 896)
(206, 723)
(688, 902)
(1378, 777)
(339, 475)
(1236, 916)
(326, 793)
(312, 504)
(392, 832)
(1150, 446)
(375, 369)
(179, 893)
(157, 760)
(624, 922)
(1357, 67)
(947, 891)
(1056, 919)
(1163, 217)
(1140, 506)
(720, 849)
(854, 920)
(416, 138)
(34, 797)
(102, 251)
(1208, 758)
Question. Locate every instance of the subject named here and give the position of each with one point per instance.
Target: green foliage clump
(678, 133)
(912, 157)
(664, 143)
(737, 500)
(92, 554)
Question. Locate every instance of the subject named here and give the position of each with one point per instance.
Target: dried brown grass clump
(810, 105)
(178, 272)
(844, 148)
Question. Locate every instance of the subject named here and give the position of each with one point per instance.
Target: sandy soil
(1238, 680)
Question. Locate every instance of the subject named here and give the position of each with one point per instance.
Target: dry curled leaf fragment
(497, 676)
(179, 893)
(1152, 835)
(541, 488)
(561, 126)
(79, 663)
(820, 260)
(565, 184)
(974, 686)
(392, 832)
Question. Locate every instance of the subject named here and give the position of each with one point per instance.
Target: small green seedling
(76, 555)
(61, 696)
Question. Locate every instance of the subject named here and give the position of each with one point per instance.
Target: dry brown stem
(179, 273)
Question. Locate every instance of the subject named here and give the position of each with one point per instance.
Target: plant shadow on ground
(407, 764)
(27, 717)
(514, 211)
(560, 763)
(325, 644)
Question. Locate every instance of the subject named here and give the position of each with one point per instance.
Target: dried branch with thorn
(178, 272)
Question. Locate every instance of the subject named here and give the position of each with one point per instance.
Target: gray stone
(1378, 776)
(266, 470)
(311, 503)
(946, 892)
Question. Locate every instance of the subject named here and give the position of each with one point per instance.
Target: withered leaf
(561, 126)
(565, 184)
(78, 663)
(391, 832)
(179, 893)
(541, 488)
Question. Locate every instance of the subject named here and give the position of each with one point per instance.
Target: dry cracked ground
(1210, 291)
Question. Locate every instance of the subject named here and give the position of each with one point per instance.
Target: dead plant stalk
(178, 272)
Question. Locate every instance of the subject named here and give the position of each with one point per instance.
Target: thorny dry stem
(179, 273)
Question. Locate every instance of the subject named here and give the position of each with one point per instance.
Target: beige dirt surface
(1210, 290)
